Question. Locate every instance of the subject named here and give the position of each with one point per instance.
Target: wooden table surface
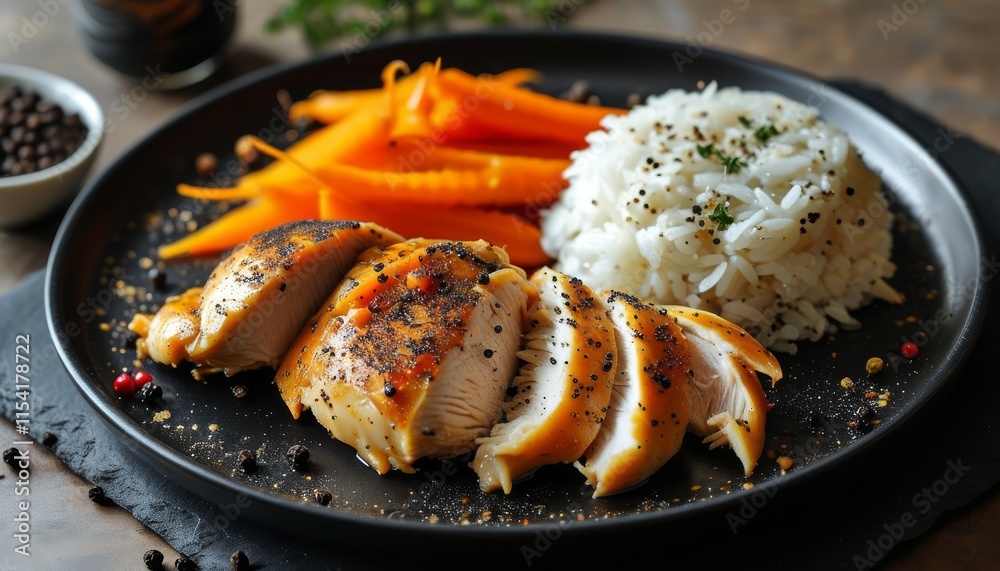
(940, 57)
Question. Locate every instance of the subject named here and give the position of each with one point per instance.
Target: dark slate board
(845, 519)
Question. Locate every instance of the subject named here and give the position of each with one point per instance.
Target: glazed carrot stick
(332, 106)
(238, 225)
(493, 180)
(517, 76)
(528, 148)
(356, 135)
(519, 238)
(223, 193)
(409, 155)
(409, 109)
(488, 110)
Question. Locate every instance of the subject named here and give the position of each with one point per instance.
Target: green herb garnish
(358, 22)
(765, 133)
(746, 122)
(721, 216)
(732, 164)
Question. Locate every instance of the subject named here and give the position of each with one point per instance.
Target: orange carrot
(492, 180)
(332, 106)
(519, 238)
(239, 224)
(472, 107)
(516, 77)
(356, 135)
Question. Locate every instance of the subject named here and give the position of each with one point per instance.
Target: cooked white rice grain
(803, 248)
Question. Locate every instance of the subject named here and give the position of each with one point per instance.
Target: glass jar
(167, 43)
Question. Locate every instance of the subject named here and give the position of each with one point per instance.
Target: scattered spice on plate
(298, 457)
(323, 496)
(247, 461)
(874, 365)
(124, 385)
(846, 382)
(157, 278)
(206, 164)
(864, 420)
(785, 462)
(149, 394)
(240, 392)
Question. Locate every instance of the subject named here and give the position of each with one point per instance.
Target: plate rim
(197, 476)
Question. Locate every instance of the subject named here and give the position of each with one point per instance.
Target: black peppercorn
(298, 457)
(247, 461)
(157, 278)
(26, 123)
(153, 559)
(9, 457)
(96, 495)
(323, 496)
(48, 439)
(864, 420)
(182, 563)
(149, 393)
(239, 561)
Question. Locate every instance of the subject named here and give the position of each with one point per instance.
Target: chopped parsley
(746, 122)
(765, 133)
(732, 164)
(721, 216)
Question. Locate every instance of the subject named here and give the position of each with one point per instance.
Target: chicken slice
(165, 336)
(413, 353)
(563, 389)
(728, 406)
(650, 400)
(258, 297)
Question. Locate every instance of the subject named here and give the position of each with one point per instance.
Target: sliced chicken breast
(728, 406)
(563, 390)
(258, 297)
(650, 400)
(164, 337)
(413, 353)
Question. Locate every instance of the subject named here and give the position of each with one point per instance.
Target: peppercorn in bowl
(50, 132)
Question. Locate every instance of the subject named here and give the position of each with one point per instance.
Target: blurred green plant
(323, 21)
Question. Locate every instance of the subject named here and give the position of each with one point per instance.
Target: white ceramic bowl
(28, 197)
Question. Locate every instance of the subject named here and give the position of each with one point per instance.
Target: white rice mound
(811, 237)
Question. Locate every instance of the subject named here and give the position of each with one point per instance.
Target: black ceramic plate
(97, 280)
